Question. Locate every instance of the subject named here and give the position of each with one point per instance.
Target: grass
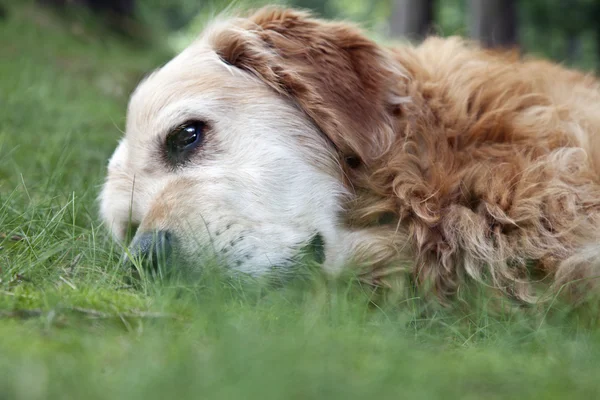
(71, 327)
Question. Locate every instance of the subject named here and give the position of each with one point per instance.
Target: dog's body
(473, 166)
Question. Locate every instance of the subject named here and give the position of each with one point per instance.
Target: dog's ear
(343, 81)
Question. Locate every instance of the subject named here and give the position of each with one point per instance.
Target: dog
(444, 162)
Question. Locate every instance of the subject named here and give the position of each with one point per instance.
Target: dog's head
(245, 144)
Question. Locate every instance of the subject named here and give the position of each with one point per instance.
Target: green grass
(72, 328)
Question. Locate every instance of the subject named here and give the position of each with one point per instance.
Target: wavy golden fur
(482, 165)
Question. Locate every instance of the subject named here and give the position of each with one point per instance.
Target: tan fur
(481, 166)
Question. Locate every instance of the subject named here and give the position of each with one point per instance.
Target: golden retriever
(443, 161)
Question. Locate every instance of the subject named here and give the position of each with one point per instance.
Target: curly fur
(483, 165)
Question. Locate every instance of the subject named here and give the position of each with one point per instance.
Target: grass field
(71, 327)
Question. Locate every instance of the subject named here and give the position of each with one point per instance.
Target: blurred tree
(118, 15)
(124, 8)
(322, 8)
(412, 19)
(494, 22)
(174, 15)
(561, 28)
(450, 17)
(565, 30)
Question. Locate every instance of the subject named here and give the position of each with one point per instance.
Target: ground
(72, 326)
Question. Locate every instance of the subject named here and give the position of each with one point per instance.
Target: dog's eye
(186, 136)
(184, 139)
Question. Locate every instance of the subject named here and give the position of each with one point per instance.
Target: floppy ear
(342, 80)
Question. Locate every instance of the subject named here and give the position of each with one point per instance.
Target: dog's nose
(151, 249)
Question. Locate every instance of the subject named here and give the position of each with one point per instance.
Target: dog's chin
(197, 264)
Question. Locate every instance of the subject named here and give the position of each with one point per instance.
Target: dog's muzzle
(151, 250)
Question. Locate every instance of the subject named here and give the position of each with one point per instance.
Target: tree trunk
(412, 19)
(494, 22)
(595, 14)
(573, 48)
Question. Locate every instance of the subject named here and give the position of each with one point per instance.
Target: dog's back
(505, 167)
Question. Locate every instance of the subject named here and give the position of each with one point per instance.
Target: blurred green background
(72, 327)
(564, 30)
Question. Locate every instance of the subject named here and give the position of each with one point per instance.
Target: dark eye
(185, 138)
